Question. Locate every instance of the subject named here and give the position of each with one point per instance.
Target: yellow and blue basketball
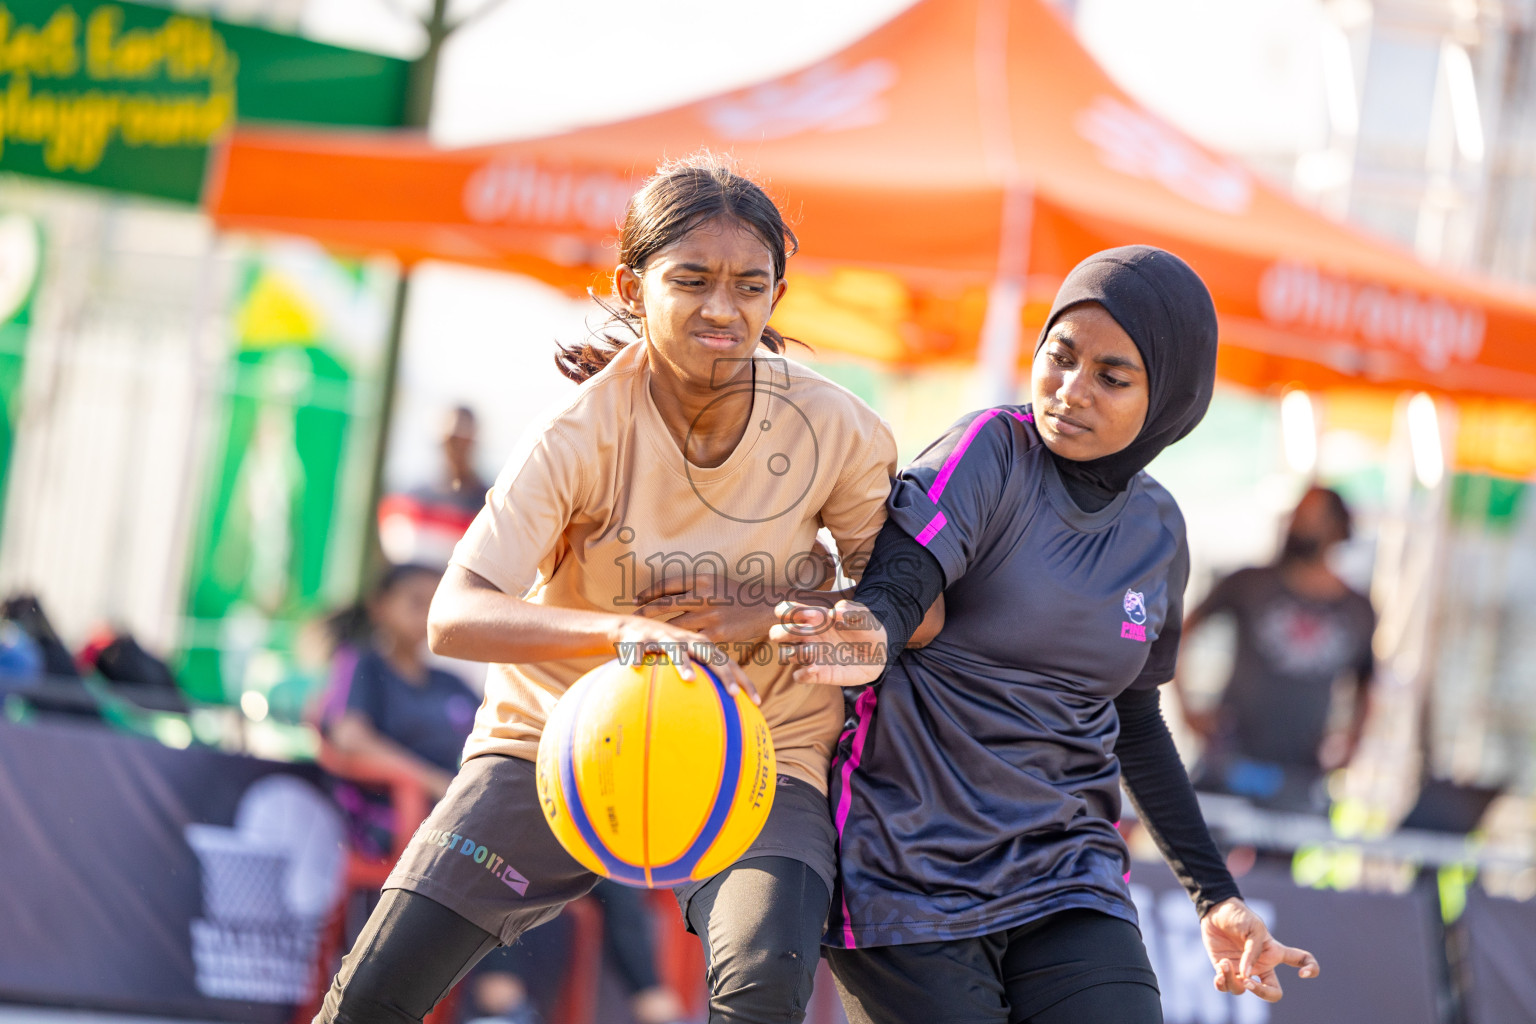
(654, 780)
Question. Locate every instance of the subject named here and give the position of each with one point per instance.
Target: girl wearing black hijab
(981, 877)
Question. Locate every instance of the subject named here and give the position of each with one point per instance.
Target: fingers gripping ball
(654, 780)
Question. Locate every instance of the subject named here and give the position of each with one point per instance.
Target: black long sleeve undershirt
(899, 585)
(1159, 786)
(902, 581)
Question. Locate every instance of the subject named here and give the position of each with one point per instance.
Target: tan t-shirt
(598, 505)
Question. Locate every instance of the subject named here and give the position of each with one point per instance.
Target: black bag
(140, 676)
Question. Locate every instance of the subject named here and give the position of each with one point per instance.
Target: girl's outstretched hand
(1245, 955)
(839, 646)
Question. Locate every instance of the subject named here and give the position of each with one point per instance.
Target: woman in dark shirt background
(981, 877)
(386, 702)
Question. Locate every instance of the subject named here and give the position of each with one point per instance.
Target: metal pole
(996, 380)
(418, 112)
(996, 377)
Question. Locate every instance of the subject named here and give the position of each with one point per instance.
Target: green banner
(285, 496)
(21, 252)
(1490, 502)
(130, 97)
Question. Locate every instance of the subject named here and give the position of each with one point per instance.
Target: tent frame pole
(997, 355)
(418, 113)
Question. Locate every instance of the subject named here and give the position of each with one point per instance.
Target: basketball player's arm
(898, 601)
(1241, 949)
(857, 517)
(933, 619)
(473, 620)
(354, 734)
(927, 629)
(851, 514)
(734, 619)
(722, 610)
(1155, 778)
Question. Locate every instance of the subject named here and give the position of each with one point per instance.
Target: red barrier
(578, 993)
(364, 873)
(679, 954)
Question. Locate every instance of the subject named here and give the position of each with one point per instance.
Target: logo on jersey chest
(1135, 628)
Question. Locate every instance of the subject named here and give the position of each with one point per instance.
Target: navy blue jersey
(431, 718)
(978, 788)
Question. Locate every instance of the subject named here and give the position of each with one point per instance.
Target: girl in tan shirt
(675, 499)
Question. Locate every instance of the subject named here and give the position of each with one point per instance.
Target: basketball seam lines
(681, 860)
(645, 776)
(577, 807)
(725, 794)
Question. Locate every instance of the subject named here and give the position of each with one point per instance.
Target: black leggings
(1073, 967)
(761, 921)
(410, 953)
(1114, 1002)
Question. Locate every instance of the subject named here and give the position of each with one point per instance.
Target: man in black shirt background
(1301, 632)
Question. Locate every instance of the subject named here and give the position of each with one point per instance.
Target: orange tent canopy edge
(959, 159)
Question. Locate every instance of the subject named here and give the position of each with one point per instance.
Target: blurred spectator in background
(422, 525)
(384, 700)
(1301, 632)
(385, 703)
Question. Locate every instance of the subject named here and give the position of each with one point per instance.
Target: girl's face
(400, 613)
(1089, 386)
(704, 299)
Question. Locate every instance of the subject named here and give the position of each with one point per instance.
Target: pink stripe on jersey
(930, 531)
(333, 702)
(950, 464)
(863, 709)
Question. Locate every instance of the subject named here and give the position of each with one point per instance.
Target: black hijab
(1165, 308)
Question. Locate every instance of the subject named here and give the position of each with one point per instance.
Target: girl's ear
(778, 293)
(626, 284)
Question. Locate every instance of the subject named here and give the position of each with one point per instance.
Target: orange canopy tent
(944, 173)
